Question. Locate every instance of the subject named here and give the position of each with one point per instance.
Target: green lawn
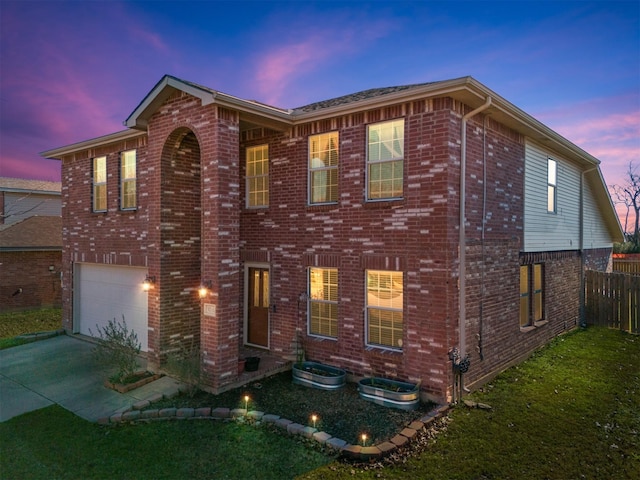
(572, 411)
(13, 324)
(54, 444)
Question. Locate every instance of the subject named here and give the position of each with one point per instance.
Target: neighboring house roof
(466, 90)
(34, 233)
(23, 185)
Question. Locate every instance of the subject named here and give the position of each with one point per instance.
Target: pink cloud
(40, 169)
(281, 66)
(608, 129)
(154, 40)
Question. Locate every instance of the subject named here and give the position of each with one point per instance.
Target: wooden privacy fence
(612, 300)
(626, 266)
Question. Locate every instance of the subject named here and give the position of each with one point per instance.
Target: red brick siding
(415, 235)
(114, 237)
(192, 220)
(30, 272)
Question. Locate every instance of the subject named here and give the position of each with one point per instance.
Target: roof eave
(612, 221)
(159, 93)
(30, 191)
(58, 153)
(271, 116)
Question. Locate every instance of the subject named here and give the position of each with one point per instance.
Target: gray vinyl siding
(544, 231)
(21, 205)
(596, 234)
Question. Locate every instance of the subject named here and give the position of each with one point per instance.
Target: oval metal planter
(318, 375)
(390, 393)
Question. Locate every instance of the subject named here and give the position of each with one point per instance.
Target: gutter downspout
(462, 269)
(582, 313)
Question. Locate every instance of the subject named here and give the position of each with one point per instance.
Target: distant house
(30, 244)
(381, 230)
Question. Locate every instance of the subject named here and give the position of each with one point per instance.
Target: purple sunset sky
(72, 70)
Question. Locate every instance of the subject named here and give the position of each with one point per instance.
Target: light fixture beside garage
(205, 288)
(148, 283)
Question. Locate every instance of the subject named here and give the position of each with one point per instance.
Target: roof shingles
(33, 233)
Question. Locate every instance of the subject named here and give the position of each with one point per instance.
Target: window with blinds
(128, 180)
(385, 160)
(531, 294)
(257, 176)
(384, 308)
(323, 302)
(323, 168)
(100, 184)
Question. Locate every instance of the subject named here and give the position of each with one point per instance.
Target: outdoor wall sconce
(205, 288)
(148, 283)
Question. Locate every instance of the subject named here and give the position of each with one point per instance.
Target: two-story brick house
(338, 225)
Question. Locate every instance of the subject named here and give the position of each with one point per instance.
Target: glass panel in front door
(258, 312)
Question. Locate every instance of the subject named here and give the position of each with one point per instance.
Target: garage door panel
(104, 292)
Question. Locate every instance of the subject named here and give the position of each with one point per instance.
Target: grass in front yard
(53, 443)
(570, 412)
(13, 324)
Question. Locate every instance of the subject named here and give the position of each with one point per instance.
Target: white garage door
(104, 292)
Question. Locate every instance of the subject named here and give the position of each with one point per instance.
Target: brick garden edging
(140, 412)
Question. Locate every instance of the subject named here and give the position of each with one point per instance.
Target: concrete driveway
(62, 370)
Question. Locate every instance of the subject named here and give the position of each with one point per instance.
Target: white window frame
(379, 297)
(99, 179)
(552, 186)
(323, 168)
(128, 200)
(385, 150)
(323, 295)
(257, 172)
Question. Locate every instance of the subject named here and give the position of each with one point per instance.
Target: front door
(258, 307)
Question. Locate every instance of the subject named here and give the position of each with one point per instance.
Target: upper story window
(323, 168)
(384, 308)
(552, 167)
(100, 184)
(323, 302)
(385, 160)
(128, 180)
(258, 176)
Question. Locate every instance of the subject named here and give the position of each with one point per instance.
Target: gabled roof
(466, 90)
(251, 110)
(31, 186)
(34, 233)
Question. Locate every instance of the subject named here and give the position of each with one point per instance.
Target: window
(258, 176)
(128, 180)
(385, 160)
(100, 184)
(551, 185)
(531, 294)
(323, 168)
(384, 308)
(323, 302)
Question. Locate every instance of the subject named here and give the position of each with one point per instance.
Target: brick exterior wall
(415, 235)
(30, 272)
(114, 237)
(191, 224)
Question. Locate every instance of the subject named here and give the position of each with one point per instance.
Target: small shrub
(185, 365)
(118, 348)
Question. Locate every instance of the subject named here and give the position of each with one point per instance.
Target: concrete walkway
(62, 370)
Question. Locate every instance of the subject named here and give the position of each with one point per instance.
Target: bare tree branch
(12, 209)
(628, 194)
